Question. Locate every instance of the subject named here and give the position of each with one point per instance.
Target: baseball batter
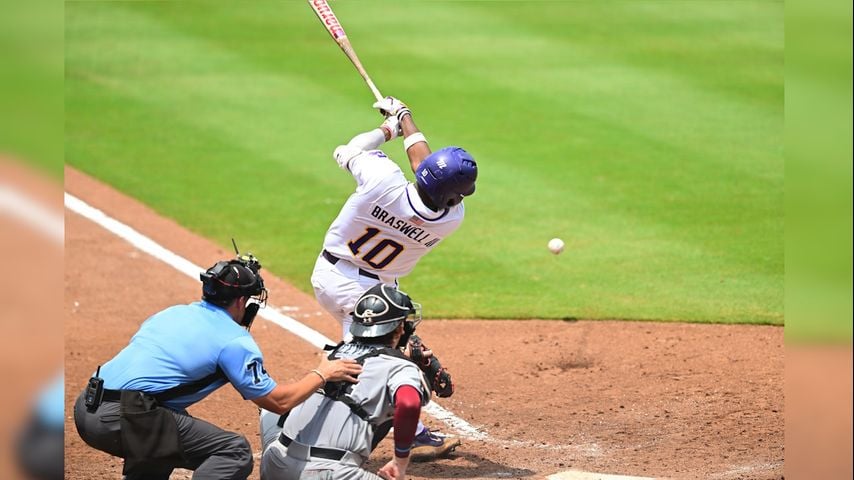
(332, 434)
(388, 224)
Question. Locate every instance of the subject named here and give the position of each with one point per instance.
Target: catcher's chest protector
(338, 390)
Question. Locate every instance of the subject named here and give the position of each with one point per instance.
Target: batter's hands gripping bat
(333, 26)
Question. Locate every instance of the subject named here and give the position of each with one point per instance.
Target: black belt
(111, 395)
(333, 260)
(319, 452)
(116, 395)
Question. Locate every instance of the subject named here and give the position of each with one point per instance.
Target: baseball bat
(333, 26)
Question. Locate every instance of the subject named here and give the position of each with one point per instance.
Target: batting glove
(392, 107)
(391, 128)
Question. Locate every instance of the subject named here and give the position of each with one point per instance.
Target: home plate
(579, 475)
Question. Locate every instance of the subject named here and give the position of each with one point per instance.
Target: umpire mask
(249, 314)
(228, 280)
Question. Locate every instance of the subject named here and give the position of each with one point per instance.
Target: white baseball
(556, 245)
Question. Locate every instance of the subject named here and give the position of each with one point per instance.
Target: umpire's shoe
(429, 446)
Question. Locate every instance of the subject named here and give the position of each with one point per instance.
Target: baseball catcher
(334, 432)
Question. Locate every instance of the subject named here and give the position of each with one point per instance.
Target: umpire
(135, 405)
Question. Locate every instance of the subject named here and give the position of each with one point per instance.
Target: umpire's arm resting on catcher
(285, 397)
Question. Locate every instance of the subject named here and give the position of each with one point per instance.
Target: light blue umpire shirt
(186, 343)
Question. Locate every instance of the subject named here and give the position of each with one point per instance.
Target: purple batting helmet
(447, 175)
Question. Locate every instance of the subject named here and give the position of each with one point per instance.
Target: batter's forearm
(418, 150)
(369, 140)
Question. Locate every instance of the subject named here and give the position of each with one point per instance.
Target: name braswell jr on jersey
(384, 226)
(411, 231)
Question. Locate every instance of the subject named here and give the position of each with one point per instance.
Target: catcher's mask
(230, 279)
(381, 309)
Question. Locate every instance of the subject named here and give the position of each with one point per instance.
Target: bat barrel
(333, 26)
(328, 19)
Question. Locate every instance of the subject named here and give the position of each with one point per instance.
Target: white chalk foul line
(462, 427)
(270, 313)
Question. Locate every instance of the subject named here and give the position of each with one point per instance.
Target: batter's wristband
(413, 139)
(402, 113)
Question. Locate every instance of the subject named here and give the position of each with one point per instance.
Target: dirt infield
(634, 398)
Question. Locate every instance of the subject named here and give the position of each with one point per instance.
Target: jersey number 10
(371, 256)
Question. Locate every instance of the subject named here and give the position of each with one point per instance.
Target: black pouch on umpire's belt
(149, 432)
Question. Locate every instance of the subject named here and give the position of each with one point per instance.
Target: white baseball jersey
(324, 422)
(384, 227)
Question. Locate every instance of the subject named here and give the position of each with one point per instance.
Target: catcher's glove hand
(438, 377)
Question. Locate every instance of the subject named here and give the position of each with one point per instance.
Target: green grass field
(647, 135)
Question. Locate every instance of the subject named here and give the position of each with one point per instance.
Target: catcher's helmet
(446, 176)
(380, 310)
(230, 279)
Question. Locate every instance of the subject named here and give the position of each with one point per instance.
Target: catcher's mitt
(438, 377)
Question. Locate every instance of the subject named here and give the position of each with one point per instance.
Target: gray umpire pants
(293, 463)
(213, 453)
